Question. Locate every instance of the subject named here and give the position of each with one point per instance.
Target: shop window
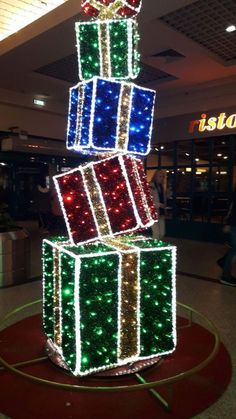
(201, 180)
(200, 175)
(220, 179)
(152, 158)
(221, 151)
(166, 154)
(184, 153)
(201, 151)
(183, 182)
(201, 197)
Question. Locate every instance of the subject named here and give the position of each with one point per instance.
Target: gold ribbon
(96, 200)
(104, 39)
(56, 297)
(125, 104)
(129, 300)
(80, 106)
(107, 12)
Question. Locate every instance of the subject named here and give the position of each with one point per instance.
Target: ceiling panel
(16, 14)
(67, 69)
(205, 22)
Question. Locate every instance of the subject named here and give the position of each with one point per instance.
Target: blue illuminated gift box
(110, 116)
(109, 303)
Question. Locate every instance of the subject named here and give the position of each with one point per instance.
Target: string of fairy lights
(105, 198)
(109, 296)
(136, 275)
(113, 51)
(95, 103)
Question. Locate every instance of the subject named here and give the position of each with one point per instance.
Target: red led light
(92, 9)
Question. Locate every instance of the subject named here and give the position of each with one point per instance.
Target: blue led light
(72, 118)
(85, 120)
(93, 121)
(140, 121)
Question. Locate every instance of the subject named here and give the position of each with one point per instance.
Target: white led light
(119, 148)
(230, 28)
(131, 197)
(131, 29)
(115, 7)
(115, 245)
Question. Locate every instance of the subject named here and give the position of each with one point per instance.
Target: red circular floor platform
(23, 399)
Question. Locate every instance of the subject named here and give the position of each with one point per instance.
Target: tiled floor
(199, 288)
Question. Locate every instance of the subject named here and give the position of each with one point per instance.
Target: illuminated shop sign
(213, 123)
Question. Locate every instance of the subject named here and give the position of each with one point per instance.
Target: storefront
(198, 155)
(22, 163)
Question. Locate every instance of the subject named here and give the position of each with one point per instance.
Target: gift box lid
(83, 250)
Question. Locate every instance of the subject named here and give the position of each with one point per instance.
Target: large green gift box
(109, 303)
(107, 48)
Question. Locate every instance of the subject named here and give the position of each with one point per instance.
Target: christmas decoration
(109, 303)
(107, 49)
(94, 104)
(108, 299)
(105, 198)
(111, 8)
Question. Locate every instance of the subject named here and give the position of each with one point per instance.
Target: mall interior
(188, 57)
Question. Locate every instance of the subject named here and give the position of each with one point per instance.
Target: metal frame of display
(144, 385)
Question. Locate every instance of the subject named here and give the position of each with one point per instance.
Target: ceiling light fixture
(230, 28)
(39, 102)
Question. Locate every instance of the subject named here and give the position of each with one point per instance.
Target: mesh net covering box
(107, 49)
(105, 198)
(109, 303)
(94, 104)
(111, 8)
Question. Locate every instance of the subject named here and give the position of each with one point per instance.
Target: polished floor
(197, 285)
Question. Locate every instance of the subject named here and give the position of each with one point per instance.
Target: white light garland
(119, 248)
(131, 197)
(76, 142)
(120, 4)
(131, 25)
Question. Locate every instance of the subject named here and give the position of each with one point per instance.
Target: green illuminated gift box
(107, 48)
(109, 303)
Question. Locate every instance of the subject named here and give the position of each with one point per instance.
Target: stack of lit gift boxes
(109, 294)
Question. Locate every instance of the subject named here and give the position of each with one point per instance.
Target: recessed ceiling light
(231, 28)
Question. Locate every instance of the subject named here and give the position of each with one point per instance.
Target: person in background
(43, 205)
(158, 190)
(227, 261)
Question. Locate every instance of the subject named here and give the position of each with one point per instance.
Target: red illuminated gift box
(105, 198)
(111, 8)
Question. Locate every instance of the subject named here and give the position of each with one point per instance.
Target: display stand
(143, 383)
